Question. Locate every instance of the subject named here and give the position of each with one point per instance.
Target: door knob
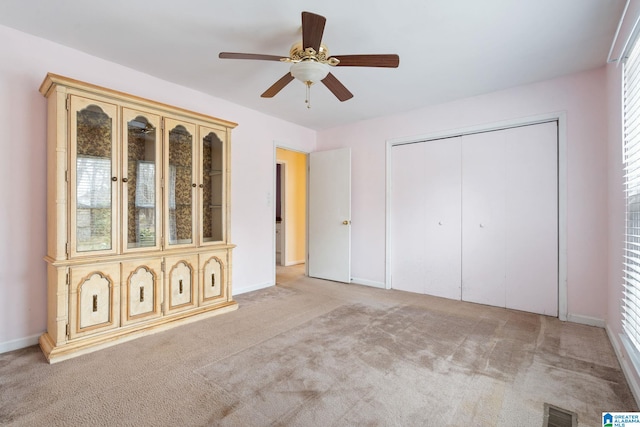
(346, 222)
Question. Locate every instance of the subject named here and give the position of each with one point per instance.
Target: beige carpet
(314, 353)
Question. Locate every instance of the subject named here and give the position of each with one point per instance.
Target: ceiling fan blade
(389, 61)
(312, 30)
(277, 86)
(337, 88)
(234, 55)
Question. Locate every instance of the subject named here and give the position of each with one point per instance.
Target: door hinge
(67, 104)
(162, 124)
(67, 279)
(66, 329)
(66, 250)
(162, 266)
(66, 176)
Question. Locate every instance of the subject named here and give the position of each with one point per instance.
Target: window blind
(631, 153)
(93, 182)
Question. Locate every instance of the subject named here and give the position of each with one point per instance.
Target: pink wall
(24, 64)
(581, 96)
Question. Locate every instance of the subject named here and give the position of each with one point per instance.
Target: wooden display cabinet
(138, 232)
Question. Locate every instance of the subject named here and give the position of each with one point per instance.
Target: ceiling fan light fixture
(309, 72)
(311, 61)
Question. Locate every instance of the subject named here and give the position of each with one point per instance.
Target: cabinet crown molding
(52, 80)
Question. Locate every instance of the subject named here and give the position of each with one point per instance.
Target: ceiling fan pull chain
(308, 100)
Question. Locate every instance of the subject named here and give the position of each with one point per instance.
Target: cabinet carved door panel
(181, 283)
(141, 291)
(213, 279)
(94, 297)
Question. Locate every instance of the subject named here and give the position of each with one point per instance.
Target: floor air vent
(558, 417)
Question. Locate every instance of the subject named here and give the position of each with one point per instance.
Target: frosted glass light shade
(309, 71)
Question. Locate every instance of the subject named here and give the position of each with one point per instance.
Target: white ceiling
(449, 49)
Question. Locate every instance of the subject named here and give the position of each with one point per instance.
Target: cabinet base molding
(82, 346)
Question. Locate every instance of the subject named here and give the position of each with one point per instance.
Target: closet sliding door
(476, 218)
(426, 215)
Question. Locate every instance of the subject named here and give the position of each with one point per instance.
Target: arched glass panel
(180, 182)
(93, 180)
(141, 188)
(212, 188)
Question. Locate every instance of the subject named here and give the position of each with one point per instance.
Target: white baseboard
(19, 343)
(367, 282)
(586, 320)
(627, 368)
(290, 263)
(252, 288)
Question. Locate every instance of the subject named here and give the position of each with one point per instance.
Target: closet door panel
(408, 250)
(483, 218)
(442, 216)
(426, 218)
(532, 219)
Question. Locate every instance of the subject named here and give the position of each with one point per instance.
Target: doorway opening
(290, 209)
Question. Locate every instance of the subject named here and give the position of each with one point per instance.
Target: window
(93, 200)
(631, 153)
(145, 205)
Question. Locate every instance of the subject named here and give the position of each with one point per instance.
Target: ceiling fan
(311, 62)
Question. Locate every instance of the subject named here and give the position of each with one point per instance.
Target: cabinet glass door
(94, 176)
(141, 180)
(180, 185)
(212, 183)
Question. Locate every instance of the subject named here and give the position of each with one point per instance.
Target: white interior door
(330, 215)
(425, 218)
